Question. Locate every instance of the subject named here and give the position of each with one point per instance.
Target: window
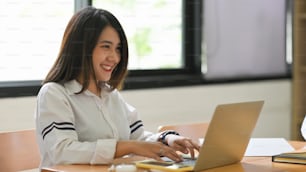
(164, 40)
(172, 42)
(31, 32)
(166, 48)
(154, 31)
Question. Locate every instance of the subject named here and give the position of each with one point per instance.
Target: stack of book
(296, 157)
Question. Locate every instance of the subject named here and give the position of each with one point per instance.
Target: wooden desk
(248, 164)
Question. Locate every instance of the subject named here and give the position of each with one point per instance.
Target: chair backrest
(191, 130)
(18, 150)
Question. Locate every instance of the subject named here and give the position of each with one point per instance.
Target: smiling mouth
(107, 68)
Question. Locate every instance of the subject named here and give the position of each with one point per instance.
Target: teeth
(107, 67)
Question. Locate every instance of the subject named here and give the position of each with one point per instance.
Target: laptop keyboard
(188, 162)
(185, 162)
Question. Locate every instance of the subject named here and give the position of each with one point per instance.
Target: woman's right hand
(153, 150)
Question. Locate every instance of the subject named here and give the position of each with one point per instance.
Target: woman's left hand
(182, 144)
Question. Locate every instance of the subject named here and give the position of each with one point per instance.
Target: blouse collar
(74, 86)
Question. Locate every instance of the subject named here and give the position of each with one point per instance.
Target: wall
(182, 105)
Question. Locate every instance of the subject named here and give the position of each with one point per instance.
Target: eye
(105, 46)
(118, 49)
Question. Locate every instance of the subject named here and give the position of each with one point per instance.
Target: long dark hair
(80, 38)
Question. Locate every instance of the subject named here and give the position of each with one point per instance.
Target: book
(297, 157)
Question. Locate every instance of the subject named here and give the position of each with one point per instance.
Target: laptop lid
(228, 134)
(226, 139)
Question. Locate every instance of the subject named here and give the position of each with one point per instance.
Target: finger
(190, 147)
(156, 157)
(171, 153)
(191, 151)
(185, 146)
(157, 154)
(180, 147)
(191, 144)
(182, 144)
(195, 145)
(174, 156)
(162, 151)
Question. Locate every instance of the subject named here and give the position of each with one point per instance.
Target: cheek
(97, 59)
(98, 54)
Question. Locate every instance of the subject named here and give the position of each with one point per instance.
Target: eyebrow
(108, 42)
(105, 41)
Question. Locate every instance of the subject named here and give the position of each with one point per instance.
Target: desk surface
(248, 164)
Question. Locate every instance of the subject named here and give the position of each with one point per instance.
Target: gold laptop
(226, 139)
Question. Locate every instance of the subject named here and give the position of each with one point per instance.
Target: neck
(92, 87)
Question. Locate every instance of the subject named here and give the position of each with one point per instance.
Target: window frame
(190, 74)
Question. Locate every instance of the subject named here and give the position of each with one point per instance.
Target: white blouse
(83, 128)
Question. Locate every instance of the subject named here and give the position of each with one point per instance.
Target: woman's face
(106, 54)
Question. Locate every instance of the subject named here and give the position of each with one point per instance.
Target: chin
(104, 80)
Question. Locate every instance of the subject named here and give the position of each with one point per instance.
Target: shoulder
(67, 88)
(51, 87)
(53, 92)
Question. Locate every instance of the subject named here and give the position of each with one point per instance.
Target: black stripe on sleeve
(133, 130)
(135, 123)
(57, 125)
(135, 126)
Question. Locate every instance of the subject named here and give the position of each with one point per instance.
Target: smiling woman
(81, 117)
(94, 50)
(106, 55)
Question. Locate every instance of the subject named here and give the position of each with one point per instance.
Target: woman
(81, 118)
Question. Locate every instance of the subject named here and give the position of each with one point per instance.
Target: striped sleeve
(57, 125)
(136, 125)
